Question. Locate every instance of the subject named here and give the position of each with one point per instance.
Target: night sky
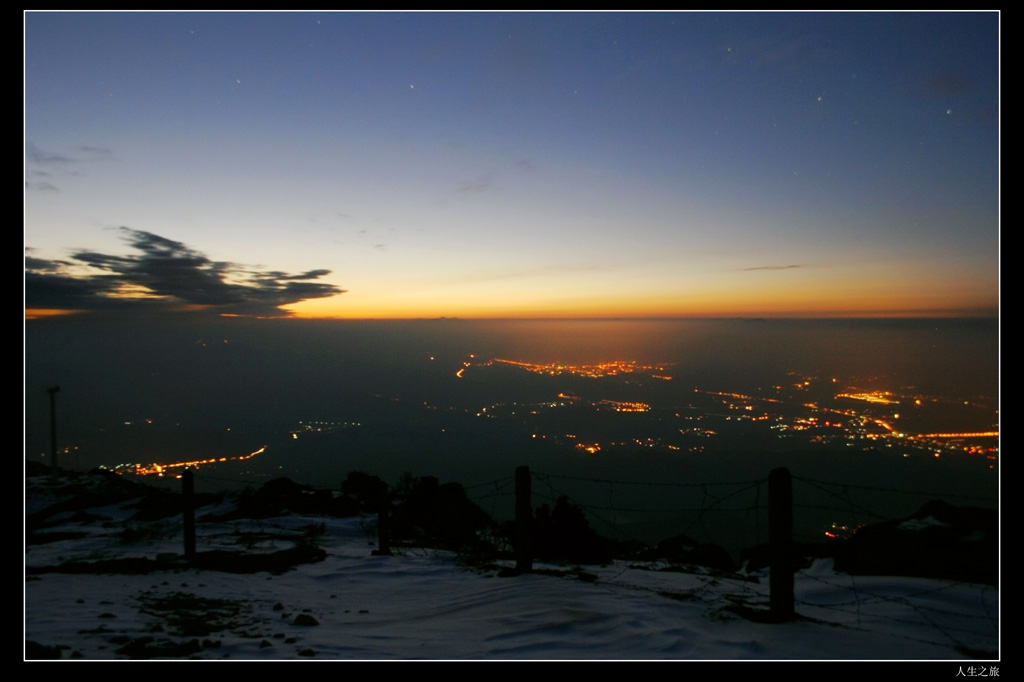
(382, 165)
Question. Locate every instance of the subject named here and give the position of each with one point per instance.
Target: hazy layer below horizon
(167, 391)
(236, 384)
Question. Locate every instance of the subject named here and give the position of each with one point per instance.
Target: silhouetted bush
(365, 490)
(284, 495)
(441, 512)
(563, 533)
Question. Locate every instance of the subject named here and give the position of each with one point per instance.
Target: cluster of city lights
(321, 427)
(876, 397)
(602, 369)
(170, 468)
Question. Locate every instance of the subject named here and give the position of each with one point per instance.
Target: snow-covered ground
(430, 604)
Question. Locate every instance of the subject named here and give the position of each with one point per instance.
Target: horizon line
(43, 314)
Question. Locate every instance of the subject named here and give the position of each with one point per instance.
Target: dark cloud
(37, 158)
(41, 186)
(37, 155)
(165, 274)
(770, 267)
(34, 264)
(97, 151)
(312, 274)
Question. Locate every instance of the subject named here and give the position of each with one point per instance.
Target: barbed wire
(915, 493)
(496, 490)
(643, 483)
(822, 507)
(944, 586)
(864, 603)
(236, 482)
(897, 635)
(952, 626)
(845, 497)
(498, 483)
(946, 630)
(906, 600)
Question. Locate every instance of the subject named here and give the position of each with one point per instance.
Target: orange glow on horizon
(337, 308)
(299, 311)
(42, 313)
(660, 293)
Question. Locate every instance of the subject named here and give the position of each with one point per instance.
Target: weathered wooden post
(188, 490)
(383, 521)
(53, 429)
(524, 521)
(780, 541)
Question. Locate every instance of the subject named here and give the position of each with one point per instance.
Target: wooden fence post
(188, 490)
(780, 541)
(524, 521)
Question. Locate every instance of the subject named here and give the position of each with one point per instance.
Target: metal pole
(780, 541)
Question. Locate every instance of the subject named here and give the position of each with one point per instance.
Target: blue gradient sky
(522, 164)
